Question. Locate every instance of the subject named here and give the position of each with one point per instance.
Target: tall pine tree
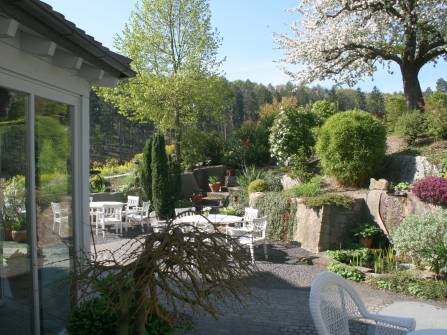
(375, 103)
(146, 169)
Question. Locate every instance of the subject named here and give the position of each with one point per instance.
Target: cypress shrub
(146, 169)
(161, 190)
(351, 146)
(175, 177)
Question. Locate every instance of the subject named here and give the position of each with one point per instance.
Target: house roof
(44, 20)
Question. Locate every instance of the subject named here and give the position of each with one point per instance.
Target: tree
(146, 169)
(174, 52)
(361, 99)
(441, 85)
(375, 102)
(161, 190)
(347, 39)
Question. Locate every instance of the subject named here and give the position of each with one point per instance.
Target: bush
(432, 190)
(358, 257)
(146, 169)
(249, 174)
(201, 147)
(351, 146)
(408, 283)
(424, 238)
(97, 184)
(346, 271)
(291, 135)
(258, 185)
(308, 189)
(280, 213)
(273, 180)
(395, 106)
(410, 126)
(436, 111)
(327, 199)
(161, 190)
(323, 109)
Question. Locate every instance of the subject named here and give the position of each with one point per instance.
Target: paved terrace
(280, 293)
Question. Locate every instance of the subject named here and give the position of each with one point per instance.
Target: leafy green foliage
(366, 231)
(323, 109)
(408, 283)
(280, 214)
(97, 183)
(146, 169)
(436, 111)
(273, 180)
(346, 271)
(402, 186)
(291, 135)
(249, 174)
(410, 126)
(213, 179)
(328, 199)
(258, 185)
(161, 192)
(205, 147)
(395, 106)
(424, 238)
(351, 146)
(356, 257)
(310, 188)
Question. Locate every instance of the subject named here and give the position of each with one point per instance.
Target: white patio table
(218, 219)
(429, 332)
(96, 206)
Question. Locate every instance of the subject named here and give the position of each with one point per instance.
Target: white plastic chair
(186, 210)
(141, 215)
(157, 225)
(250, 214)
(336, 308)
(109, 215)
(251, 235)
(132, 204)
(58, 217)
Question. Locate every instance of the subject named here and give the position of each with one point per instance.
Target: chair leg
(265, 252)
(252, 252)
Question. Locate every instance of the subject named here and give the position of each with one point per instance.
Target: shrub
(308, 189)
(346, 271)
(395, 106)
(357, 257)
(407, 283)
(366, 231)
(273, 180)
(410, 126)
(436, 111)
(351, 146)
(258, 185)
(249, 174)
(424, 238)
(201, 147)
(280, 214)
(97, 184)
(327, 199)
(323, 109)
(291, 135)
(431, 189)
(146, 169)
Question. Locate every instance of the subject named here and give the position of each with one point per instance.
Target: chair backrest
(260, 226)
(333, 303)
(146, 207)
(56, 208)
(185, 210)
(250, 214)
(110, 211)
(133, 201)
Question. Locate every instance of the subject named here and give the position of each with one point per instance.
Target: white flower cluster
(346, 39)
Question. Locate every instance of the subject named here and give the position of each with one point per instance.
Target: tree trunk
(412, 87)
(178, 137)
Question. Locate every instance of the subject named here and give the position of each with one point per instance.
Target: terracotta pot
(215, 187)
(366, 242)
(18, 235)
(8, 234)
(197, 198)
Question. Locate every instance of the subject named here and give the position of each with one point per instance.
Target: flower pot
(18, 235)
(215, 187)
(196, 198)
(366, 242)
(7, 234)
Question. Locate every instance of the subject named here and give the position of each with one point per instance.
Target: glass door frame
(78, 104)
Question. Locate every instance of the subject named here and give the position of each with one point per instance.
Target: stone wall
(199, 178)
(325, 228)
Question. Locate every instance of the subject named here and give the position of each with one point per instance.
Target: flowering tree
(346, 39)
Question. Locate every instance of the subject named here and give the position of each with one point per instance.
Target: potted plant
(214, 183)
(402, 188)
(365, 233)
(18, 229)
(197, 196)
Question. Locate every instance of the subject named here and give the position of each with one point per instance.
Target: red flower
(431, 189)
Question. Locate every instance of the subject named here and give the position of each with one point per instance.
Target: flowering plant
(431, 189)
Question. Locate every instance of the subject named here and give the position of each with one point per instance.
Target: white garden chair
(157, 225)
(132, 204)
(109, 215)
(141, 215)
(251, 235)
(58, 216)
(185, 210)
(250, 214)
(337, 309)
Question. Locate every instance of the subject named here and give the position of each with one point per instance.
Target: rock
(288, 182)
(230, 181)
(364, 269)
(408, 168)
(381, 184)
(254, 198)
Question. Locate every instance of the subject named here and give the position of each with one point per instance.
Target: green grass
(327, 199)
(311, 188)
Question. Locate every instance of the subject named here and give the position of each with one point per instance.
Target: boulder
(288, 182)
(381, 184)
(254, 198)
(408, 168)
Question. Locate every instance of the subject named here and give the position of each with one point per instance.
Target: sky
(247, 28)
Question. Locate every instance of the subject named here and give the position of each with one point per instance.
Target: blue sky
(247, 28)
